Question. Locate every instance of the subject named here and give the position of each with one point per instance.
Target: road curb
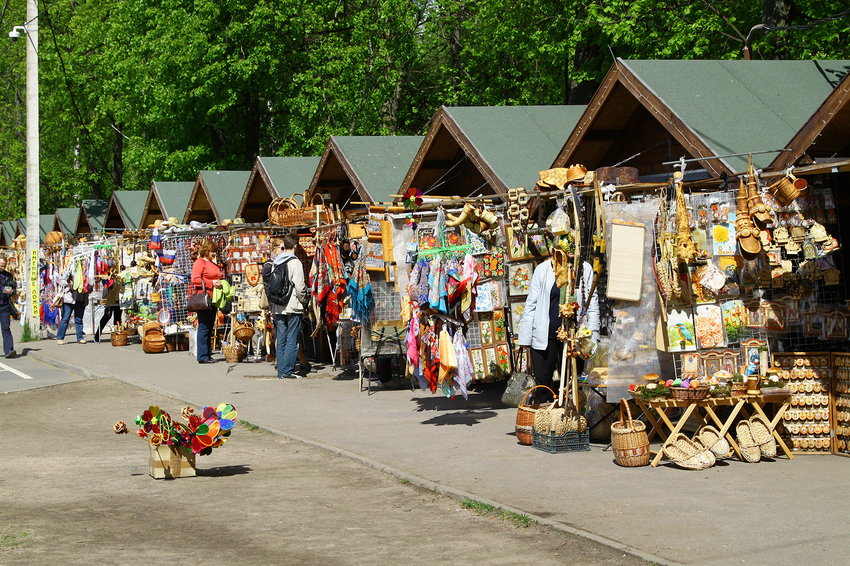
(413, 479)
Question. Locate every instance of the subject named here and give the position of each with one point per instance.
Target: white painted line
(16, 372)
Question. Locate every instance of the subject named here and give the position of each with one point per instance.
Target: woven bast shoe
(710, 437)
(750, 450)
(763, 435)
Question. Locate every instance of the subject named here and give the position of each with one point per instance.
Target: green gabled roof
(95, 211)
(45, 225)
(289, 175)
(517, 142)
(379, 162)
(131, 206)
(174, 197)
(8, 227)
(741, 106)
(225, 190)
(22, 226)
(67, 219)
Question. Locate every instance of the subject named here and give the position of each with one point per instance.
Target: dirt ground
(73, 492)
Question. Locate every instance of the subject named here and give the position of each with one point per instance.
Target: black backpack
(280, 286)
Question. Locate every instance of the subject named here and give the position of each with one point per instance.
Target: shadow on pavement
(223, 471)
(468, 418)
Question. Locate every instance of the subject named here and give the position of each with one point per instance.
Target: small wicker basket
(234, 353)
(244, 332)
(118, 338)
(687, 393)
(525, 417)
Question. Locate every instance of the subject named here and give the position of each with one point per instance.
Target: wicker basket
(525, 417)
(629, 440)
(152, 327)
(570, 441)
(119, 338)
(235, 353)
(739, 389)
(244, 332)
(153, 343)
(681, 394)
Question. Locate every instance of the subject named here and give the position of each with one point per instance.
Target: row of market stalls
(420, 251)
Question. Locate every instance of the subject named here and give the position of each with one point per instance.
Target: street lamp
(30, 266)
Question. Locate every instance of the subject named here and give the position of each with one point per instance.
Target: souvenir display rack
(841, 403)
(807, 425)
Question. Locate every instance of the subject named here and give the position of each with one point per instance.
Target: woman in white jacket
(541, 319)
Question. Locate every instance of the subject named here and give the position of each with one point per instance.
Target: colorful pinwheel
(200, 435)
(412, 198)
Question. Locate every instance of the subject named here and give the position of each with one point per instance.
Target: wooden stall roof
(125, 210)
(216, 196)
(45, 225)
(8, 227)
(648, 112)
(363, 168)
(166, 199)
(65, 220)
(92, 216)
(488, 150)
(274, 177)
(827, 132)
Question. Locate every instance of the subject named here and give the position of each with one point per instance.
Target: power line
(801, 27)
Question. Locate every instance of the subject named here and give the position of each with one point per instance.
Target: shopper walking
(73, 302)
(283, 281)
(206, 276)
(8, 289)
(112, 310)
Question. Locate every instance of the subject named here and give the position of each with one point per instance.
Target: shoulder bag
(199, 301)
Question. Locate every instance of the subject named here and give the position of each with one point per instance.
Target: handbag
(199, 301)
(13, 310)
(519, 383)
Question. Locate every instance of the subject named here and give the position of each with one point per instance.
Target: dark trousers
(206, 322)
(8, 341)
(544, 363)
(113, 312)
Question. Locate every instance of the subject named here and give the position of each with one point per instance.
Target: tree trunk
(118, 155)
(581, 93)
(775, 14)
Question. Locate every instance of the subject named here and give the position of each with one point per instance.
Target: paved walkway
(780, 512)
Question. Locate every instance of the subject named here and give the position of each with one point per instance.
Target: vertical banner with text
(33, 298)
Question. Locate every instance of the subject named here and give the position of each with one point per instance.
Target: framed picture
(490, 265)
(680, 330)
(751, 350)
(528, 246)
(814, 323)
(792, 309)
(477, 356)
(753, 312)
(773, 316)
(374, 258)
(690, 364)
(517, 309)
(519, 278)
(499, 332)
(712, 362)
(484, 297)
(491, 364)
(709, 326)
(836, 325)
(485, 325)
(734, 319)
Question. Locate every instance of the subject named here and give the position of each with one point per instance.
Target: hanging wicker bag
(525, 417)
(629, 440)
(243, 332)
(235, 351)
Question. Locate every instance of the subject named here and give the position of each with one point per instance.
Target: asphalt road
(75, 493)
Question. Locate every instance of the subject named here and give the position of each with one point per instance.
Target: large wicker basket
(525, 417)
(629, 439)
(680, 393)
(153, 343)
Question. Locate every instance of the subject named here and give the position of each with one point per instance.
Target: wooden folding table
(664, 407)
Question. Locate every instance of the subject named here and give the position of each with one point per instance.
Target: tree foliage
(139, 90)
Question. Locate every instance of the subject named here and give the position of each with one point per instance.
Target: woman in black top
(7, 294)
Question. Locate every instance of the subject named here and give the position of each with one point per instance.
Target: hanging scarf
(464, 372)
(360, 292)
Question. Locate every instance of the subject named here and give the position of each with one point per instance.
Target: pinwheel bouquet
(200, 435)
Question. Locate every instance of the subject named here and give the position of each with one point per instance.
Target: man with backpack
(283, 281)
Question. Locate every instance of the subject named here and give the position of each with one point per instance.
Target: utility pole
(33, 197)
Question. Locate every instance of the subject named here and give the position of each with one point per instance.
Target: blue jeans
(8, 341)
(206, 320)
(78, 309)
(288, 327)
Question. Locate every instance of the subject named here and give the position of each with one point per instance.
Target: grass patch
(403, 481)
(8, 542)
(515, 518)
(249, 426)
(29, 334)
(477, 506)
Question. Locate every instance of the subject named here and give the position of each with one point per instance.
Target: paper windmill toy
(200, 435)
(412, 198)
